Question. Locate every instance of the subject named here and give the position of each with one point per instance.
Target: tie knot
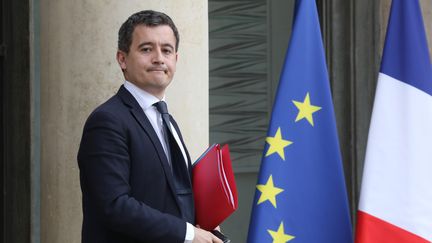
(161, 106)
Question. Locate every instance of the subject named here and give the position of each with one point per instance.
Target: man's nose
(157, 56)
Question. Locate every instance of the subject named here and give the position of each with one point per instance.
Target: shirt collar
(144, 98)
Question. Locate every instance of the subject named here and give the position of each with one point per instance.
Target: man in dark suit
(134, 166)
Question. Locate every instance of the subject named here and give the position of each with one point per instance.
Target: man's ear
(121, 59)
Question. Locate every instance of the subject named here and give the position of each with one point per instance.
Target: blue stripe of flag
(406, 54)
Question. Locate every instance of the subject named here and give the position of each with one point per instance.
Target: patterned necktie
(161, 106)
(179, 169)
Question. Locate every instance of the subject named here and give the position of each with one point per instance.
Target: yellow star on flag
(279, 236)
(277, 144)
(306, 109)
(268, 192)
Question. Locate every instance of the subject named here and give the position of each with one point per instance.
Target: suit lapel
(183, 176)
(143, 121)
(184, 146)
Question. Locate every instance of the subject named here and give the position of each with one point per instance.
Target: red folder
(214, 187)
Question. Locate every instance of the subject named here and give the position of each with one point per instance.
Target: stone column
(79, 72)
(427, 19)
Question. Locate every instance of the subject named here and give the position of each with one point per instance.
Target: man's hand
(203, 236)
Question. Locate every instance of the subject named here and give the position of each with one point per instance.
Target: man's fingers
(215, 239)
(203, 236)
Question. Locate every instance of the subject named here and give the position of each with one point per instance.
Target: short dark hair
(148, 18)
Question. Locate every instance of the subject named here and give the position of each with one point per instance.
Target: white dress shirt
(146, 101)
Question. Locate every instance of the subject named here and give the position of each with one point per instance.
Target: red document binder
(214, 187)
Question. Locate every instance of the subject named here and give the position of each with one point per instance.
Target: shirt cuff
(190, 233)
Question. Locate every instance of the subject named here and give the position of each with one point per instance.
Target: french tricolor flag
(396, 195)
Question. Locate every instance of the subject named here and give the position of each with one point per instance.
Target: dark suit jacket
(126, 182)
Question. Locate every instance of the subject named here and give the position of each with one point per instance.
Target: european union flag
(301, 195)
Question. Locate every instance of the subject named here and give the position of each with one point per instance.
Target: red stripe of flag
(371, 229)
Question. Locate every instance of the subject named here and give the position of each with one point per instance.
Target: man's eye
(167, 51)
(146, 49)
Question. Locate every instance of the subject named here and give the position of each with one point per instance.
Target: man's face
(152, 58)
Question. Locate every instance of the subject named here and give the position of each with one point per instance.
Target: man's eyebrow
(145, 44)
(168, 45)
(151, 44)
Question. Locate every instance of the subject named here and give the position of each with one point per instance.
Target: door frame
(15, 122)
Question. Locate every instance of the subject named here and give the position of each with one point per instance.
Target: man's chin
(160, 78)
(161, 84)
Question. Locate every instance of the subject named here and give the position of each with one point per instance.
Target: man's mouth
(157, 70)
